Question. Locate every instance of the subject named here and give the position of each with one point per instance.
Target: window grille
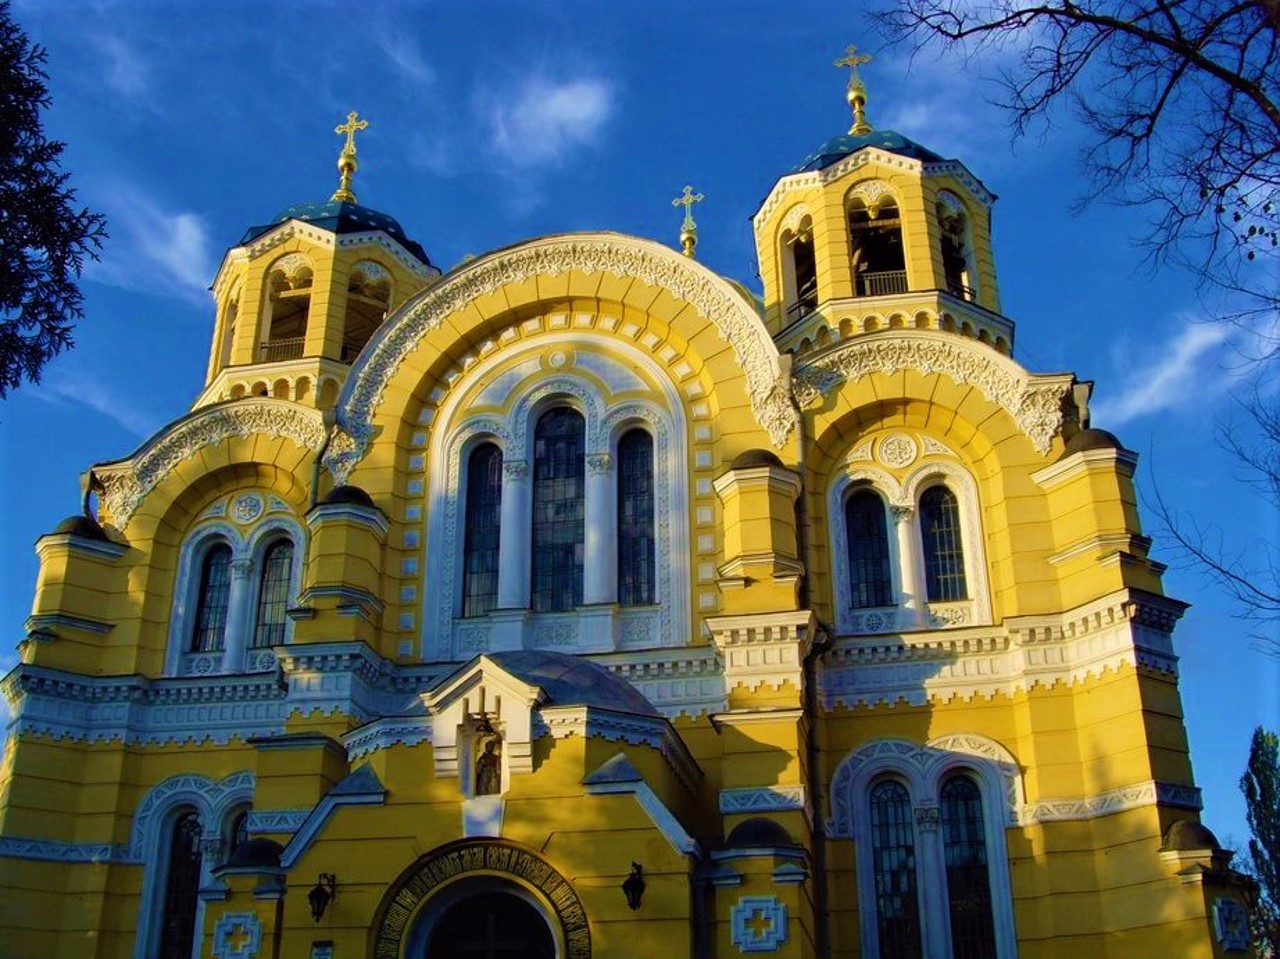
(635, 519)
(273, 595)
(558, 513)
(483, 519)
(894, 858)
(211, 607)
(182, 882)
(870, 583)
(943, 550)
(968, 885)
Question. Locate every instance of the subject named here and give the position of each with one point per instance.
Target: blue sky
(492, 122)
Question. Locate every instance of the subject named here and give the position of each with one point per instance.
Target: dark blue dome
(341, 217)
(839, 147)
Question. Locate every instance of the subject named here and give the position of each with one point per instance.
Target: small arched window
(943, 548)
(870, 583)
(558, 511)
(964, 842)
(635, 519)
(182, 883)
(211, 604)
(894, 857)
(273, 594)
(480, 540)
(805, 270)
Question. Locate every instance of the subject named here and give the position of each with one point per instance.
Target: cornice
(1068, 468)
(98, 549)
(124, 484)
(1035, 402)
(594, 723)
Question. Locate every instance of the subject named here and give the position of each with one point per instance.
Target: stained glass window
(968, 885)
(483, 517)
(635, 519)
(865, 527)
(273, 594)
(943, 550)
(182, 882)
(211, 606)
(894, 858)
(558, 514)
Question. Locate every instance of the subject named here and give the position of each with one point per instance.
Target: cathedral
(581, 602)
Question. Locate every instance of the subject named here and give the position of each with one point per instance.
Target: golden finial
(689, 229)
(856, 92)
(347, 158)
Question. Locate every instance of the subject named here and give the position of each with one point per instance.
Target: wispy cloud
(403, 52)
(73, 386)
(124, 70)
(544, 121)
(152, 249)
(1196, 362)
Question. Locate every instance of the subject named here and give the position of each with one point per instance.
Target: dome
(1091, 440)
(256, 853)
(1187, 835)
(758, 832)
(752, 459)
(573, 681)
(352, 495)
(81, 525)
(340, 217)
(839, 147)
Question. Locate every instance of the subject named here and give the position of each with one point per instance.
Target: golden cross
(352, 125)
(238, 938)
(852, 58)
(856, 93)
(759, 924)
(689, 229)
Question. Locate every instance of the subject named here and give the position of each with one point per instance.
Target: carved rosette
(650, 263)
(126, 484)
(1035, 406)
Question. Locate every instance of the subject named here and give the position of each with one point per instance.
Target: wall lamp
(323, 893)
(633, 886)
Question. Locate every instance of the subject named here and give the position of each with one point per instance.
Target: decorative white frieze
(1134, 796)
(753, 799)
(595, 723)
(763, 649)
(275, 820)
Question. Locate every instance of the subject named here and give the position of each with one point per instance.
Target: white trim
(1068, 468)
(661, 816)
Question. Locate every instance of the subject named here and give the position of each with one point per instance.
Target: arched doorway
(491, 924)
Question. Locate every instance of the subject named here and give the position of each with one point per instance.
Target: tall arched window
(480, 540)
(635, 519)
(879, 262)
(894, 857)
(558, 514)
(805, 267)
(964, 841)
(211, 604)
(943, 549)
(273, 594)
(182, 882)
(870, 583)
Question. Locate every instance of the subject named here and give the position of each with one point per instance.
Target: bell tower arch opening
(286, 309)
(875, 241)
(957, 246)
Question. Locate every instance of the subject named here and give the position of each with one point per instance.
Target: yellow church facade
(577, 603)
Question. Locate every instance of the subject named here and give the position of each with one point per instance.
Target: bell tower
(874, 231)
(299, 297)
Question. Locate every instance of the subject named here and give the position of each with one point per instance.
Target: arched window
(480, 541)
(964, 842)
(870, 583)
(635, 519)
(879, 263)
(894, 857)
(288, 303)
(237, 831)
(805, 267)
(558, 515)
(273, 594)
(182, 882)
(943, 549)
(211, 604)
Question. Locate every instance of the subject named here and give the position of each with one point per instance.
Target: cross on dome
(856, 92)
(347, 158)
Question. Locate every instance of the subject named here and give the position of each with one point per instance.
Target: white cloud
(405, 55)
(125, 71)
(152, 249)
(544, 121)
(72, 386)
(1197, 362)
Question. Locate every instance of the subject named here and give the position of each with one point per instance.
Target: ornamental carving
(898, 450)
(1035, 406)
(485, 858)
(653, 265)
(126, 484)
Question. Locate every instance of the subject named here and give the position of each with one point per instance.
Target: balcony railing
(882, 283)
(274, 351)
(960, 290)
(802, 307)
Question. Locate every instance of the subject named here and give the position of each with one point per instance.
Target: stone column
(600, 563)
(235, 640)
(931, 873)
(912, 585)
(513, 541)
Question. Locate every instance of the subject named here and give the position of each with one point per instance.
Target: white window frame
(598, 625)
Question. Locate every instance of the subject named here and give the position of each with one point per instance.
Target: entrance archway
(490, 924)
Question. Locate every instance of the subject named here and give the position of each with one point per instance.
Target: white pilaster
(239, 616)
(600, 564)
(912, 585)
(513, 541)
